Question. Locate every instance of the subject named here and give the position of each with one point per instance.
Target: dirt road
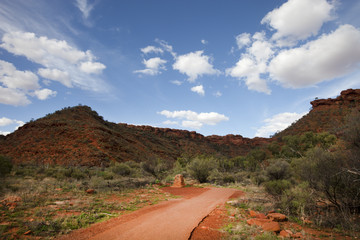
(174, 219)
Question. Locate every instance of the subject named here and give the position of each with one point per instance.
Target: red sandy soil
(174, 219)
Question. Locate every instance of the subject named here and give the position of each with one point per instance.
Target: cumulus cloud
(203, 41)
(84, 7)
(150, 49)
(92, 67)
(277, 123)
(330, 56)
(43, 94)
(56, 75)
(194, 65)
(153, 66)
(79, 66)
(195, 120)
(4, 121)
(243, 40)
(13, 97)
(253, 63)
(199, 90)
(298, 19)
(10, 77)
(18, 84)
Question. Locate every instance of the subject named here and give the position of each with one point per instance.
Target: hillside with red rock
(326, 115)
(79, 136)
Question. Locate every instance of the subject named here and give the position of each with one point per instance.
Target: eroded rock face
(346, 97)
(179, 181)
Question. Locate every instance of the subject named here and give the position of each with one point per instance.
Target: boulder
(179, 181)
(277, 217)
(266, 224)
(285, 233)
(271, 227)
(90, 191)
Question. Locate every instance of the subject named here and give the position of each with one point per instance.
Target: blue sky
(246, 67)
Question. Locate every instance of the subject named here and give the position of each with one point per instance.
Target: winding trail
(174, 219)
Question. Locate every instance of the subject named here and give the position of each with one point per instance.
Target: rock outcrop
(347, 97)
(179, 181)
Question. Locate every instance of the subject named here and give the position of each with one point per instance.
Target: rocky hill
(79, 136)
(326, 114)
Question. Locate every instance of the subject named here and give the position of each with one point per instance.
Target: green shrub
(5, 165)
(201, 167)
(298, 201)
(157, 167)
(121, 169)
(278, 169)
(277, 187)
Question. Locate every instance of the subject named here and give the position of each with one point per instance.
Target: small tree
(156, 167)
(201, 167)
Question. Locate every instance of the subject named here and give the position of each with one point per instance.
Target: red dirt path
(174, 219)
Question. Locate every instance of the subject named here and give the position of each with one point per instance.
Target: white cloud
(195, 120)
(199, 90)
(169, 122)
(150, 49)
(203, 41)
(56, 75)
(192, 124)
(277, 123)
(218, 94)
(153, 66)
(253, 63)
(44, 94)
(13, 97)
(56, 54)
(15, 79)
(194, 65)
(177, 82)
(298, 19)
(84, 7)
(326, 58)
(167, 47)
(261, 50)
(4, 121)
(243, 40)
(92, 67)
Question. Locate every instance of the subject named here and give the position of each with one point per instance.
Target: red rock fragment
(277, 217)
(179, 181)
(285, 233)
(271, 227)
(253, 214)
(261, 216)
(90, 191)
(297, 235)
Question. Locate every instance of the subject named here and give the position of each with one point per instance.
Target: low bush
(277, 187)
(201, 167)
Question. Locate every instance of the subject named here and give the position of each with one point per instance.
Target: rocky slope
(79, 136)
(326, 114)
